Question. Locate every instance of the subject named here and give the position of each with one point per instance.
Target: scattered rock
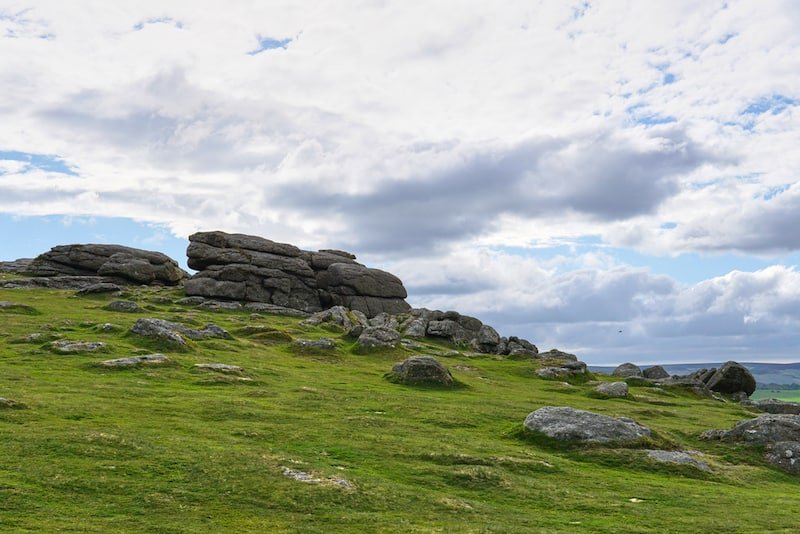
(323, 343)
(677, 457)
(572, 425)
(14, 307)
(555, 354)
(107, 327)
(125, 306)
(421, 370)
(219, 367)
(74, 347)
(103, 287)
(174, 333)
(338, 316)
(763, 430)
(562, 372)
(378, 337)
(308, 478)
(190, 301)
(785, 455)
(627, 369)
(655, 372)
(731, 378)
(133, 361)
(775, 406)
(218, 305)
(612, 389)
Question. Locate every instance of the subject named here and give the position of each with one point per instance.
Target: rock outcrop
(627, 369)
(612, 389)
(79, 266)
(572, 425)
(655, 372)
(732, 378)
(254, 269)
(421, 370)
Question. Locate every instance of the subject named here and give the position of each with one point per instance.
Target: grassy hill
(172, 449)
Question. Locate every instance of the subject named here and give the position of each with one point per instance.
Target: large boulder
(254, 269)
(732, 378)
(376, 337)
(627, 369)
(655, 372)
(111, 263)
(763, 430)
(572, 425)
(421, 370)
(612, 389)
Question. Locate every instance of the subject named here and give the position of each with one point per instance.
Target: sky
(618, 179)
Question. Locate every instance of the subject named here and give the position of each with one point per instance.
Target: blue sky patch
(45, 162)
(773, 192)
(668, 78)
(158, 20)
(773, 104)
(269, 43)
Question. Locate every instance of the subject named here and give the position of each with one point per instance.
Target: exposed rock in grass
(378, 337)
(655, 372)
(101, 288)
(421, 370)
(562, 372)
(273, 309)
(627, 369)
(775, 406)
(125, 306)
(785, 455)
(612, 389)
(107, 327)
(732, 377)
(219, 367)
(323, 343)
(265, 334)
(763, 430)
(308, 478)
(338, 316)
(698, 387)
(75, 347)
(133, 361)
(521, 348)
(10, 404)
(555, 354)
(174, 332)
(190, 301)
(218, 305)
(677, 457)
(15, 307)
(37, 337)
(572, 425)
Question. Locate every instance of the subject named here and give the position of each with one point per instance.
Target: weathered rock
(470, 323)
(385, 320)
(677, 457)
(488, 339)
(174, 333)
(378, 337)
(521, 348)
(338, 316)
(323, 343)
(116, 262)
(126, 306)
(74, 347)
(56, 282)
(19, 266)
(785, 455)
(190, 301)
(613, 389)
(732, 377)
(627, 369)
(103, 287)
(763, 430)
(572, 425)
(9, 403)
(273, 309)
(555, 354)
(655, 372)
(775, 406)
(416, 328)
(421, 370)
(219, 367)
(694, 385)
(216, 305)
(449, 329)
(133, 361)
(703, 375)
(564, 371)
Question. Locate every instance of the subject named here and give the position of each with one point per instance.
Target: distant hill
(765, 373)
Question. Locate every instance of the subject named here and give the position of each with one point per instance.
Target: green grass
(170, 449)
(782, 394)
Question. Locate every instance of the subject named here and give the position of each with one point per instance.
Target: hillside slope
(319, 441)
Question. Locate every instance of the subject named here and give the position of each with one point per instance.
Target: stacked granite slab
(250, 268)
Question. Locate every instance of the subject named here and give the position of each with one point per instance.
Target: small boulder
(732, 378)
(133, 361)
(488, 339)
(555, 354)
(562, 372)
(125, 306)
(677, 457)
(571, 425)
(612, 389)
(323, 343)
(102, 287)
(655, 372)
(378, 337)
(627, 369)
(421, 370)
(785, 455)
(14, 307)
(75, 347)
(174, 333)
(219, 367)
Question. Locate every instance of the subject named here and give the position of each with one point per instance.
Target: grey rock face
(126, 306)
(378, 337)
(102, 287)
(785, 455)
(133, 361)
(627, 369)
(677, 457)
(555, 354)
(19, 266)
(219, 367)
(338, 316)
(561, 372)
(323, 343)
(762, 430)
(776, 406)
(732, 377)
(114, 262)
(571, 425)
(15, 307)
(613, 389)
(254, 269)
(174, 333)
(655, 372)
(421, 370)
(488, 339)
